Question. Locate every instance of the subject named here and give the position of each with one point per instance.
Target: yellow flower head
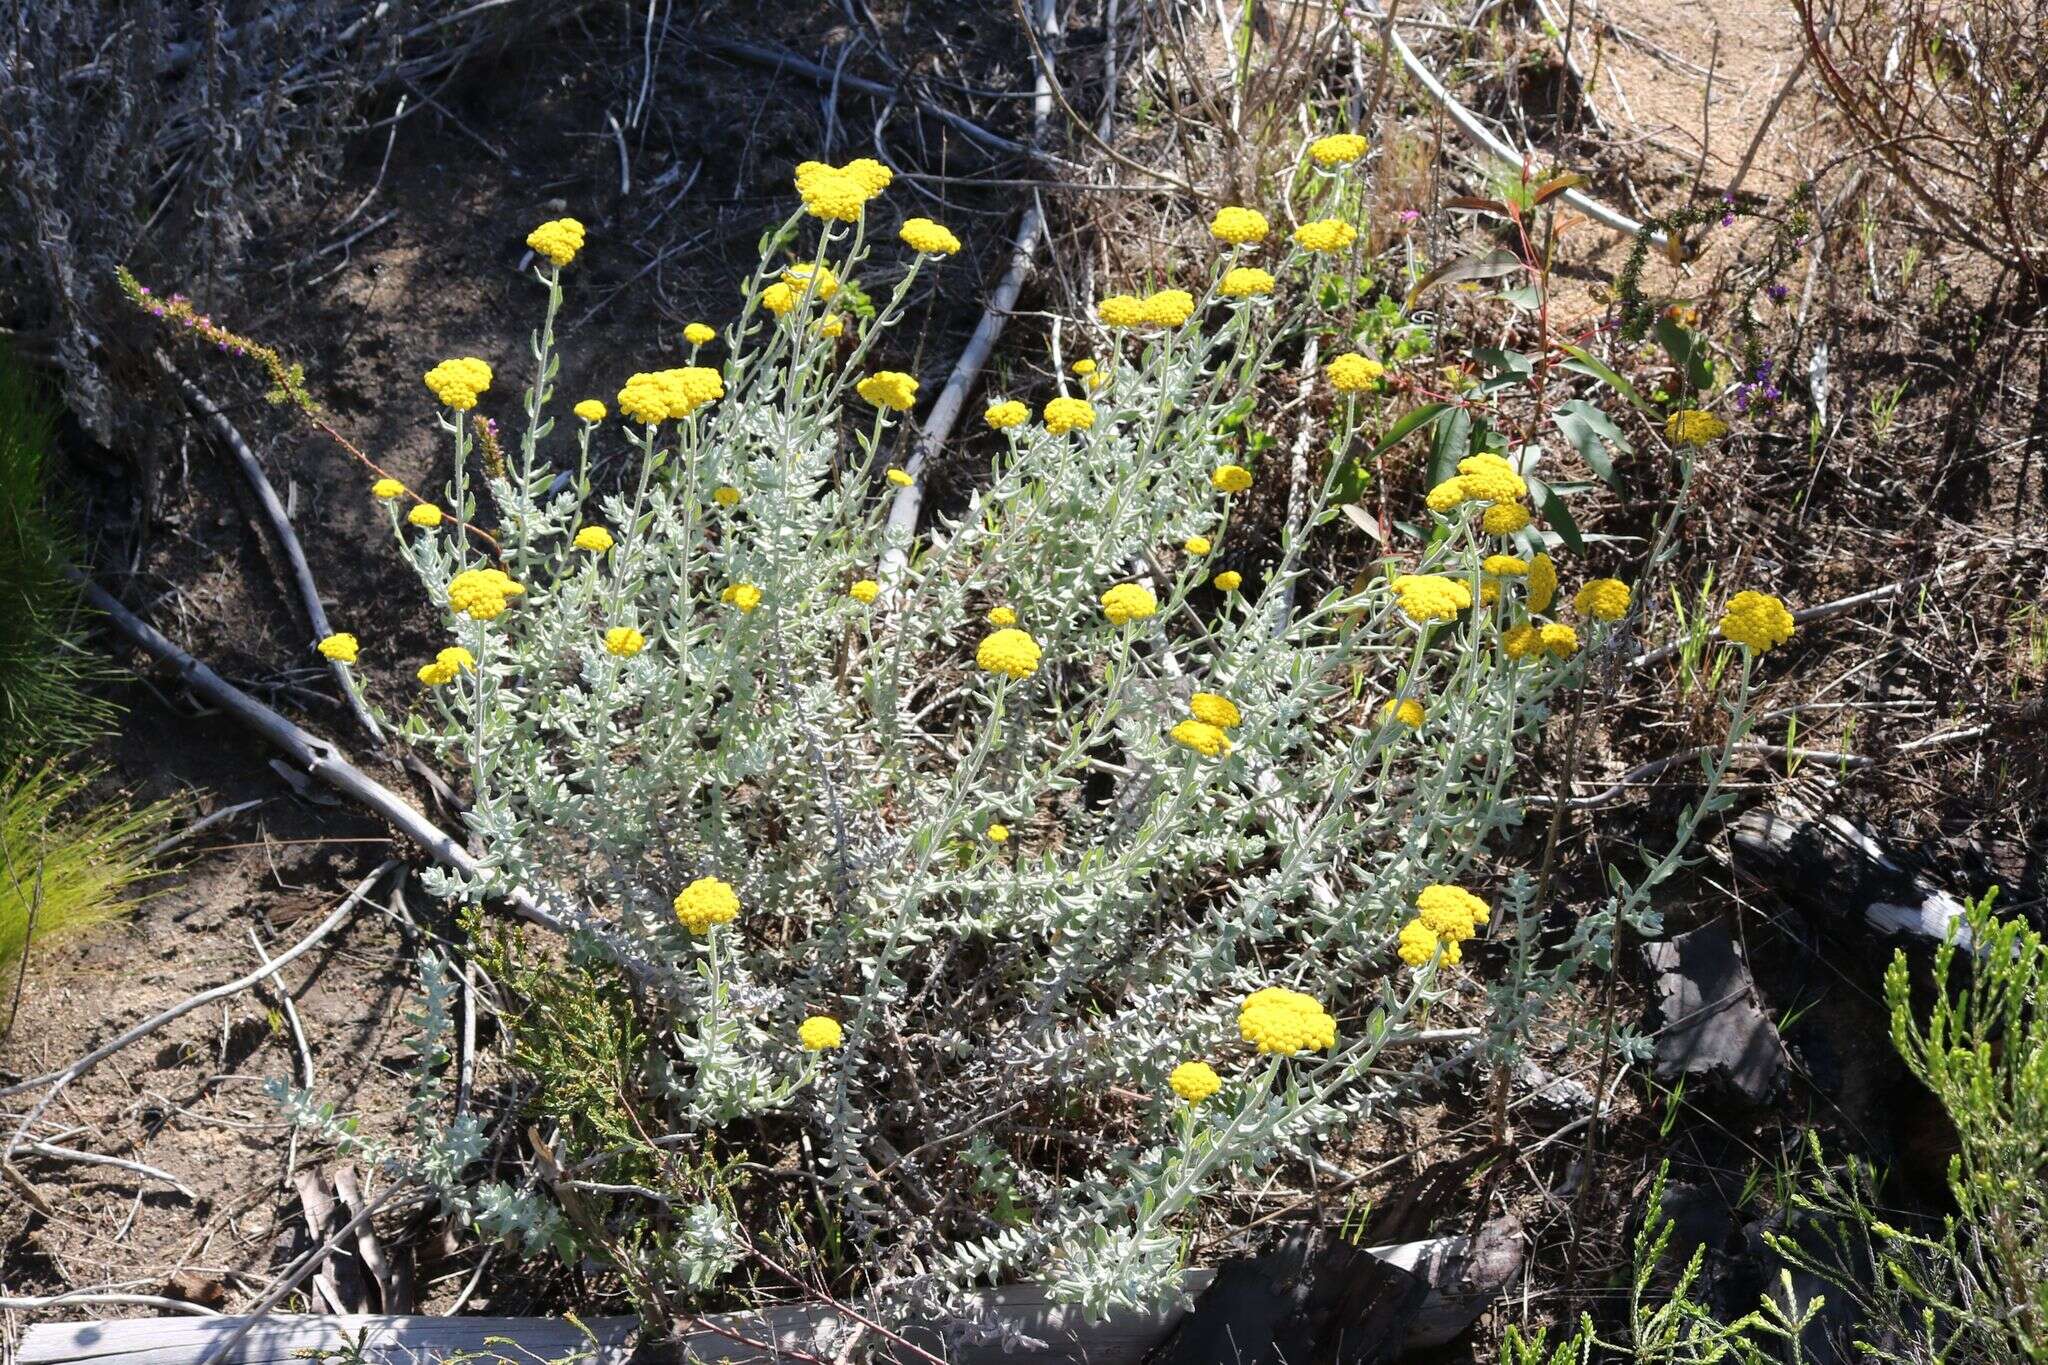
(998, 833)
(447, 665)
(1432, 597)
(1692, 427)
(1505, 566)
(1197, 545)
(927, 238)
(685, 390)
(1354, 373)
(1213, 708)
(1542, 582)
(1230, 478)
(1010, 652)
(832, 194)
(424, 514)
(1336, 149)
(481, 594)
(698, 334)
(725, 495)
(1230, 580)
(386, 489)
(1244, 282)
(1406, 710)
(1756, 621)
(820, 1034)
(1205, 739)
(899, 476)
(1447, 496)
(1084, 367)
(1128, 602)
(1521, 642)
(1325, 234)
(818, 280)
(1285, 1022)
(1602, 599)
(1239, 226)
(1560, 640)
(745, 596)
(1168, 308)
(705, 902)
(1451, 912)
(830, 326)
(590, 410)
(1063, 415)
(1006, 414)
(594, 539)
(1417, 945)
(1194, 1081)
(1001, 616)
(889, 389)
(340, 647)
(779, 298)
(1504, 519)
(559, 240)
(459, 383)
(1121, 310)
(865, 591)
(624, 641)
(644, 399)
(1489, 478)
(870, 174)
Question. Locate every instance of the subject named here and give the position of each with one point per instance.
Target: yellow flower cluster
(340, 647)
(820, 1033)
(1213, 708)
(590, 410)
(1006, 414)
(459, 383)
(725, 495)
(624, 642)
(425, 514)
(1757, 621)
(1194, 1081)
(890, 389)
(386, 489)
(1528, 641)
(1446, 917)
(1407, 710)
(1128, 602)
(1208, 740)
(699, 334)
(1169, 308)
(1245, 281)
(1230, 478)
(1230, 580)
(649, 398)
(998, 833)
(481, 594)
(1197, 545)
(1285, 1022)
(1239, 226)
(818, 281)
(1063, 415)
(1337, 148)
(865, 591)
(1010, 652)
(841, 193)
(1504, 519)
(1428, 597)
(831, 326)
(927, 238)
(1505, 566)
(745, 596)
(1002, 616)
(899, 476)
(559, 240)
(1692, 427)
(705, 902)
(594, 539)
(1542, 582)
(447, 664)
(1121, 310)
(1602, 599)
(1325, 234)
(1354, 373)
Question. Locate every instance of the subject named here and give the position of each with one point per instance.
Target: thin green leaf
(1591, 432)
(1557, 514)
(1461, 269)
(1583, 363)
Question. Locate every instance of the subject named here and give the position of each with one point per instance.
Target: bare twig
(53, 1152)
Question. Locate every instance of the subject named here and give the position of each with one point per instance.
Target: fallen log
(1713, 1024)
(1837, 872)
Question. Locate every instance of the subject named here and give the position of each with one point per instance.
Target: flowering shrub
(885, 871)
